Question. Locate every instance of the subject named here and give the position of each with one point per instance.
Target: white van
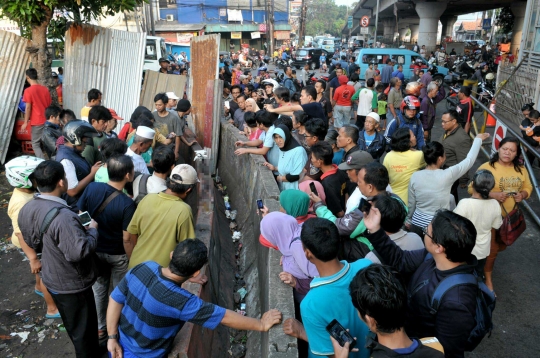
(154, 50)
(327, 44)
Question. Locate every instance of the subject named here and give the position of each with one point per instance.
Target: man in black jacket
(449, 239)
(68, 267)
(52, 130)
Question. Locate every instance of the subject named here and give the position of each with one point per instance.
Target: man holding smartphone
(68, 268)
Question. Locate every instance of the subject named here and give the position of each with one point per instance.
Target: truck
(154, 50)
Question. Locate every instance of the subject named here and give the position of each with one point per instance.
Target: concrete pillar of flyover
(518, 9)
(414, 32)
(429, 13)
(389, 28)
(448, 23)
(402, 33)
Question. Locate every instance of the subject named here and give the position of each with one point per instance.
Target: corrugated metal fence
(155, 82)
(14, 60)
(106, 59)
(204, 67)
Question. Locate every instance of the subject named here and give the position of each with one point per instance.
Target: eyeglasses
(424, 231)
(308, 136)
(444, 122)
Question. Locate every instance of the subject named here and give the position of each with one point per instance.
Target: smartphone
(364, 206)
(313, 188)
(340, 334)
(85, 218)
(512, 193)
(227, 105)
(260, 204)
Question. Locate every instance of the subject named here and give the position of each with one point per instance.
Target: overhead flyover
(426, 15)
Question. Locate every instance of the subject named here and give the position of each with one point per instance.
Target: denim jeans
(110, 266)
(342, 116)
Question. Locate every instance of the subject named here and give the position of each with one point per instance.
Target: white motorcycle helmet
(272, 82)
(18, 171)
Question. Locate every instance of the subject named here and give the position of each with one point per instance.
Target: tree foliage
(37, 18)
(505, 20)
(325, 17)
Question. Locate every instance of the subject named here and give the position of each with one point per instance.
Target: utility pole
(152, 24)
(302, 30)
(271, 26)
(376, 23)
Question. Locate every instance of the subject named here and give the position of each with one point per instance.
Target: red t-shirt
(343, 94)
(40, 98)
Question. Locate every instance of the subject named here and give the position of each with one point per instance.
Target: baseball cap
(171, 95)
(183, 105)
(375, 116)
(243, 77)
(184, 174)
(54, 74)
(115, 115)
(356, 160)
(163, 59)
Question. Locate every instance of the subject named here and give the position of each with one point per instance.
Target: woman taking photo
(403, 161)
(429, 189)
(281, 232)
(292, 159)
(512, 185)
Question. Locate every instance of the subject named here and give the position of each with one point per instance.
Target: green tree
(36, 18)
(505, 20)
(325, 17)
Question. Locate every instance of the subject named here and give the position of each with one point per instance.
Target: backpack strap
(446, 284)
(142, 185)
(49, 217)
(106, 202)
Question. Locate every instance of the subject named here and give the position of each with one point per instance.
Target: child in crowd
(381, 103)
(322, 63)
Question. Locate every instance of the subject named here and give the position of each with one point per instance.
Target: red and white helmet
(409, 102)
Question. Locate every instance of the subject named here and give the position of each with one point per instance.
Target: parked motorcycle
(485, 93)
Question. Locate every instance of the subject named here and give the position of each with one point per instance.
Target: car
(310, 56)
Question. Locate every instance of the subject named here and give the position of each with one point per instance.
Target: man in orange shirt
(37, 99)
(342, 102)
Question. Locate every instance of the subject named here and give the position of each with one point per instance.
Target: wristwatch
(113, 336)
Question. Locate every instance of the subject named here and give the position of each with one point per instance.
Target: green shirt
(91, 153)
(102, 175)
(381, 107)
(161, 221)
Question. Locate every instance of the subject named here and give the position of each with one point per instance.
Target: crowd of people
(103, 220)
(370, 226)
(355, 197)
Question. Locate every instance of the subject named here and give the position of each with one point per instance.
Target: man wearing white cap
(144, 137)
(369, 139)
(162, 220)
(173, 100)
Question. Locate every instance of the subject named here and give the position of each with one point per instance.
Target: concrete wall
(247, 180)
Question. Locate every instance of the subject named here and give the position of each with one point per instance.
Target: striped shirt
(155, 309)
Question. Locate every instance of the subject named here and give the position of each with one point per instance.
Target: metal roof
(14, 60)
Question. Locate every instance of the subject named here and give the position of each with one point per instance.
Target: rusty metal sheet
(14, 60)
(107, 59)
(204, 67)
(155, 82)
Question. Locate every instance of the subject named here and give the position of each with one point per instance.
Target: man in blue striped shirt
(149, 306)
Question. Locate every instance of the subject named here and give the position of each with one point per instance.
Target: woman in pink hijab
(281, 232)
(304, 186)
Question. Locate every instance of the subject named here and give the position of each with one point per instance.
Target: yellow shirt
(85, 111)
(401, 166)
(18, 199)
(161, 221)
(507, 180)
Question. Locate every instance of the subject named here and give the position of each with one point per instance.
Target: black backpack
(485, 304)
(143, 191)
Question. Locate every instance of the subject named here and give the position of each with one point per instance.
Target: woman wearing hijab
(251, 105)
(281, 232)
(296, 204)
(304, 186)
(292, 159)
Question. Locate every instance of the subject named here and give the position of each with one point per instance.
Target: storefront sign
(256, 35)
(236, 35)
